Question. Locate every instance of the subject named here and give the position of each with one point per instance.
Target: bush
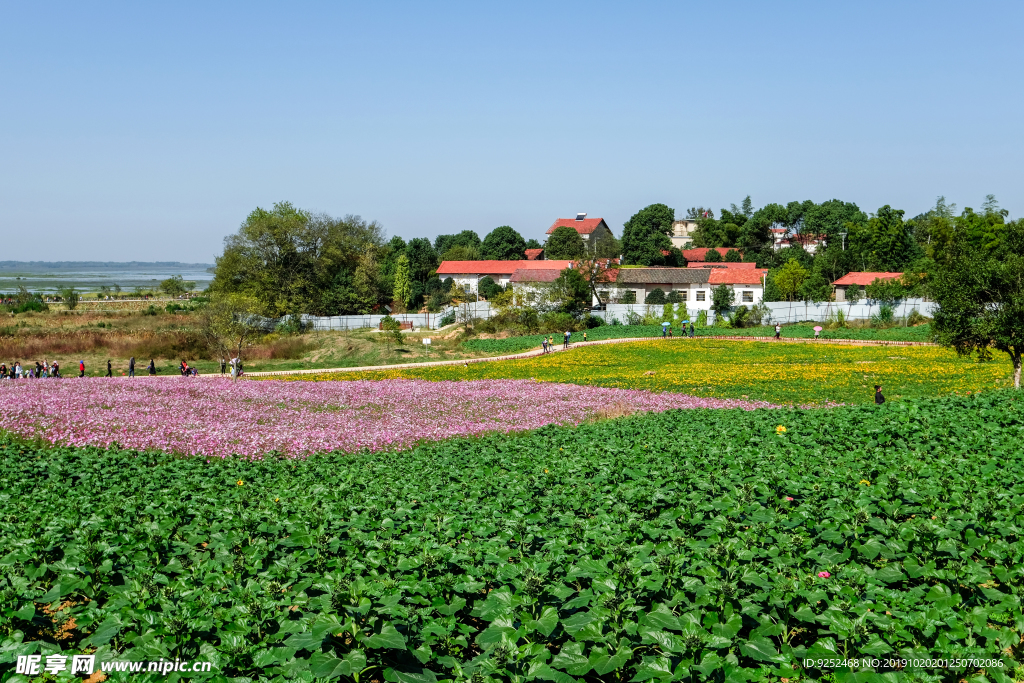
(615, 321)
(447, 319)
(885, 317)
(592, 321)
(33, 306)
(733, 256)
(152, 310)
(488, 288)
(628, 297)
(915, 318)
(674, 297)
(291, 325)
(713, 256)
(740, 317)
(557, 321)
(656, 296)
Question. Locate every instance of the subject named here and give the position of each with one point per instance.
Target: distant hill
(98, 265)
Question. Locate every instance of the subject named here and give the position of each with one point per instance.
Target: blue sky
(138, 131)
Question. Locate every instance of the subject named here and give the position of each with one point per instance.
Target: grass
(801, 374)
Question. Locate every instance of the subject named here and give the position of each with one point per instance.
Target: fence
(784, 311)
(428, 321)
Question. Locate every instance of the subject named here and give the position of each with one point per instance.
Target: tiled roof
(535, 275)
(733, 276)
(698, 254)
(496, 267)
(724, 264)
(864, 279)
(658, 276)
(583, 227)
(533, 254)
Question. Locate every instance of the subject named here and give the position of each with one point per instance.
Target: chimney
(580, 216)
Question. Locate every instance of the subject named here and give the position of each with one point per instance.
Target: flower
(865, 482)
(823, 575)
(240, 482)
(780, 430)
(789, 497)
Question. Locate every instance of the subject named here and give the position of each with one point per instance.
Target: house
(592, 230)
(742, 265)
(533, 280)
(860, 280)
(694, 285)
(699, 254)
(682, 232)
(467, 274)
(534, 254)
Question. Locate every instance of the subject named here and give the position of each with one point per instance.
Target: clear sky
(149, 130)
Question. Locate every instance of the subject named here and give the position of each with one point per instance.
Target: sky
(148, 131)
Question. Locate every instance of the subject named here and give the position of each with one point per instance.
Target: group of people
(548, 342)
(666, 331)
(41, 370)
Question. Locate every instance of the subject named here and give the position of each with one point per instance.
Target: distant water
(89, 276)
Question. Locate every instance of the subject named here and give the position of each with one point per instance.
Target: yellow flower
(240, 482)
(276, 499)
(865, 482)
(545, 470)
(780, 430)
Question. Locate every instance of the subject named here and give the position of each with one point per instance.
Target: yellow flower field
(778, 372)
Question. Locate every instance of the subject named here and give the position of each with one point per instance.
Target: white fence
(430, 321)
(784, 311)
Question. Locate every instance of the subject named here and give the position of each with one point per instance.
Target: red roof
(535, 275)
(698, 254)
(583, 227)
(496, 267)
(533, 254)
(864, 279)
(745, 265)
(732, 276)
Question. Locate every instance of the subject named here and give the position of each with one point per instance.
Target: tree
(70, 296)
(733, 256)
(391, 331)
(503, 244)
(403, 282)
(286, 257)
(488, 288)
(722, 299)
(422, 259)
(368, 284)
(533, 244)
(714, 256)
(645, 235)
(655, 296)
(608, 247)
(597, 272)
(565, 243)
(466, 238)
(230, 322)
(176, 286)
(789, 278)
(816, 288)
(892, 245)
(981, 299)
(461, 253)
(572, 292)
(887, 291)
(674, 297)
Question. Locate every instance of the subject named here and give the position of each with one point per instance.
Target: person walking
(691, 331)
(566, 343)
(544, 344)
(584, 337)
(223, 365)
(778, 330)
(151, 368)
(131, 366)
(879, 399)
(110, 370)
(81, 368)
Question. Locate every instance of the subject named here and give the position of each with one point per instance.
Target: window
(467, 288)
(700, 295)
(683, 294)
(748, 296)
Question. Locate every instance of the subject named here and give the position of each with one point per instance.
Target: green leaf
(572, 660)
(763, 650)
(653, 667)
(389, 637)
(546, 623)
(422, 676)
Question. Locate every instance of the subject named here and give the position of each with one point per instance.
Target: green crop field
(690, 545)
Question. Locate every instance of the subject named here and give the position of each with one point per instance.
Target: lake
(88, 276)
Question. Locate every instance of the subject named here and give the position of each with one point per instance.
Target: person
(544, 344)
(778, 330)
(81, 368)
(691, 330)
(56, 369)
(670, 332)
(234, 367)
(223, 364)
(131, 366)
(566, 343)
(584, 337)
(3, 370)
(816, 333)
(879, 399)
(17, 369)
(183, 367)
(110, 370)
(151, 368)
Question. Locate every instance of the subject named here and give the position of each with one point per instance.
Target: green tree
(655, 296)
(533, 244)
(461, 252)
(503, 244)
(565, 243)
(645, 235)
(981, 299)
(816, 288)
(403, 282)
(789, 278)
(230, 323)
(466, 238)
(722, 299)
(885, 291)
(733, 256)
(422, 259)
(176, 286)
(892, 245)
(608, 247)
(368, 284)
(70, 296)
(488, 288)
(714, 256)
(571, 291)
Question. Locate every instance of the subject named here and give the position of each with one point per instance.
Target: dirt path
(540, 352)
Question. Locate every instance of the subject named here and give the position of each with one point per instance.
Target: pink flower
(789, 497)
(823, 575)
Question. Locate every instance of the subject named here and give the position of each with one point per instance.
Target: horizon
(146, 131)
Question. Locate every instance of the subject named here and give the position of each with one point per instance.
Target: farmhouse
(694, 285)
(467, 274)
(592, 230)
(859, 280)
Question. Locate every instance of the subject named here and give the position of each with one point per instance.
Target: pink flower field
(218, 417)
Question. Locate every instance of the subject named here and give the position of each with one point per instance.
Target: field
(800, 374)
(690, 545)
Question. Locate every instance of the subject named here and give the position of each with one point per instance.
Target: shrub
(733, 256)
(592, 321)
(656, 296)
(557, 321)
(702, 319)
(915, 318)
(628, 297)
(447, 319)
(615, 321)
(152, 310)
(740, 317)
(33, 306)
(488, 288)
(674, 297)
(713, 256)
(885, 317)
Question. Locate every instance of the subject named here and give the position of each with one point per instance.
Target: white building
(693, 285)
(467, 274)
(682, 232)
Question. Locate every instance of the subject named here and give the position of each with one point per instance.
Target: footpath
(575, 345)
